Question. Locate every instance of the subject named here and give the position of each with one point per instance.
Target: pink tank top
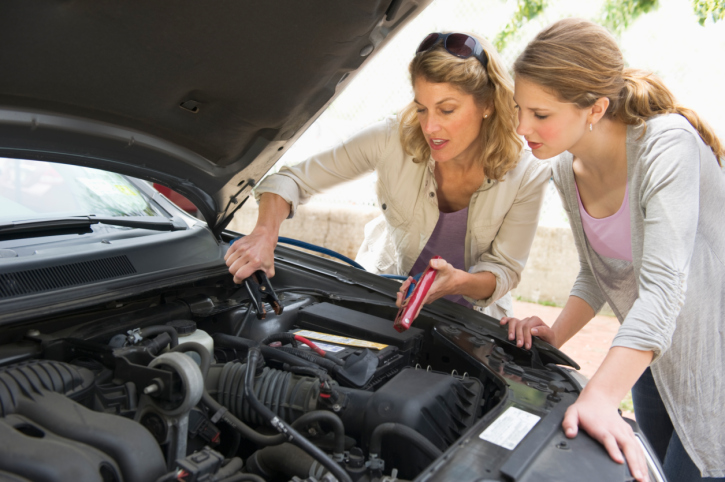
(610, 236)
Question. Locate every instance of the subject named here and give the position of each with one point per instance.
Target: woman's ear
(597, 111)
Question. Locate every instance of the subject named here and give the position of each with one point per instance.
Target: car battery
(390, 360)
(397, 350)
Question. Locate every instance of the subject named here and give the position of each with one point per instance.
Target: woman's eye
(420, 111)
(539, 116)
(447, 111)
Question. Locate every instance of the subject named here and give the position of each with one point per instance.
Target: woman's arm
(452, 281)
(596, 409)
(347, 161)
(256, 250)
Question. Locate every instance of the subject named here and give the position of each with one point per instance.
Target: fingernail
(511, 336)
(534, 331)
(637, 474)
(570, 431)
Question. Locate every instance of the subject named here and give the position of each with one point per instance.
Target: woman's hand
(446, 282)
(597, 414)
(523, 330)
(251, 253)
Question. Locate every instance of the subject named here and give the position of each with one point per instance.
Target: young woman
(452, 181)
(643, 189)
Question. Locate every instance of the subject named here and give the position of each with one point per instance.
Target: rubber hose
(245, 430)
(328, 365)
(228, 341)
(328, 417)
(156, 329)
(282, 462)
(281, 337)
(234, 466)
(293, 436)
(425, 445)
(241, 477)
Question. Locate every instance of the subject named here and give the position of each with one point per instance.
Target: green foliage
(525, 10)
(714, 9)
(617, 15)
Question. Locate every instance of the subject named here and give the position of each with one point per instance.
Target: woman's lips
(534, 145)
(439, 146)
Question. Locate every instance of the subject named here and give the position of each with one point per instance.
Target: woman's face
(549, 125)
(450, 120)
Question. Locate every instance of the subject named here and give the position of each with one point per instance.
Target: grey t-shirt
(671, 298)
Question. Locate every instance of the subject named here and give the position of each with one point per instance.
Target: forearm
(618, 372)
(273, 209)
(478, 286)
(575, 314)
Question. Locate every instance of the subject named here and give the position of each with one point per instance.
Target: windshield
(38, 190)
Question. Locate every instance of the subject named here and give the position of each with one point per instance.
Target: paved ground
(588, 347)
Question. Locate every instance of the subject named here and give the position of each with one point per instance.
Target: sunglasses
(458, 44)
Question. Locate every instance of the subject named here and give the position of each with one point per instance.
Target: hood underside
(202, 97)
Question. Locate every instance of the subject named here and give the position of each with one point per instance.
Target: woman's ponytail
(644, 95)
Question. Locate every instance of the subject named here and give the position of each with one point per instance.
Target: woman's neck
(602, 153)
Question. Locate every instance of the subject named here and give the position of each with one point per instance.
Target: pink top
(610, 236)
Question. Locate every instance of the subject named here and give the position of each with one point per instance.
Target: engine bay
(190, 384)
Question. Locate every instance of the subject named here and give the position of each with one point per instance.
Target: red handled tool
(411, 305)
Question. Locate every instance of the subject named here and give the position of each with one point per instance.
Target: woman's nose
(429, 124)
(523, 127)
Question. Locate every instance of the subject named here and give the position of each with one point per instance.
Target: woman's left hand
(445, 282)
(598, 415)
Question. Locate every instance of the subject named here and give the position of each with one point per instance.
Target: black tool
(261, 291)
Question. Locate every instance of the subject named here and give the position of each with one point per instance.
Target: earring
(485, 116)
(590, 127)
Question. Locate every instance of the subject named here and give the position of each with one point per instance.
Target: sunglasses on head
(458, 44)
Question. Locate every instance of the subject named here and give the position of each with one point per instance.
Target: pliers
(414, 301)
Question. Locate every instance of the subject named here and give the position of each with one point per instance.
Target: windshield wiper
(84, 222)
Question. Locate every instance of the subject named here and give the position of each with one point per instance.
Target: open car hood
(201, 97)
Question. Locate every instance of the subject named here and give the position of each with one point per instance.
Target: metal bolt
(151, 389)
(32, 333)
(336, 407)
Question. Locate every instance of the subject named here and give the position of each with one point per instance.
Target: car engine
(191, 385)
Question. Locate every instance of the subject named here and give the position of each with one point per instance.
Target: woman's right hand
(523, 330)
(253, 252)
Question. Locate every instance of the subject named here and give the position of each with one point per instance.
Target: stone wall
(549, 274)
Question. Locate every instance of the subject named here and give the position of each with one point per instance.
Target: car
(128, 353)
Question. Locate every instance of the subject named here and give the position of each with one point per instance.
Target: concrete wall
(549, 274)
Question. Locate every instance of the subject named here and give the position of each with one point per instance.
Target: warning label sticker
(330, 348)
(339, 340)
(510, 428)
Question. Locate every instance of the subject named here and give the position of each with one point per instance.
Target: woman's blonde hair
(580, 62)
(491, 86)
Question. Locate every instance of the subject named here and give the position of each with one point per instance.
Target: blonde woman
(643, 189)
(452, 181)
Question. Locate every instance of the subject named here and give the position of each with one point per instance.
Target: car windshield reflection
(39, 190)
